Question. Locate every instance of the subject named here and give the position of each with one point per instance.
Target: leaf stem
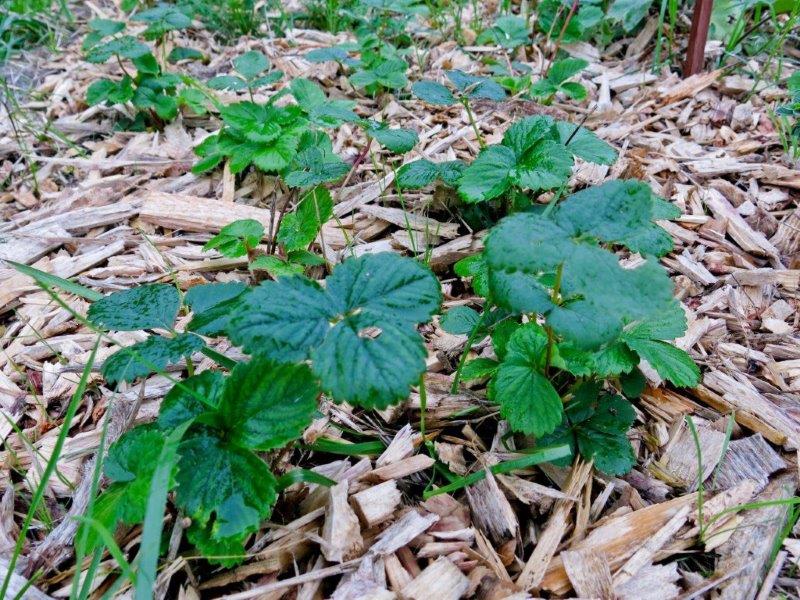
(465, 103)
(548, 329)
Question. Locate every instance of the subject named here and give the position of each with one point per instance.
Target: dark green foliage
(145, 307)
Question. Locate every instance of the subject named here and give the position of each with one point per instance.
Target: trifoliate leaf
(671, 363)
(150, 356)
(489, 175)
(131, 462)
(528, 401)
(213, 304)
(236, 238)
(459, 320)
(221, 486)
(265, 405)
(369, 362)
(145, 307)
(191, 398)
(300, 228)
(251, 64)
(433, 93)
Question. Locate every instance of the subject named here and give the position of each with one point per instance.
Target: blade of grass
(345, 448)
(112, 546)
(534, 458)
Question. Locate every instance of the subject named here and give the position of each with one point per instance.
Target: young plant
(509, 32)
(598, 319)
(380, 66)
(298, 229)
(789, 115)
(556, 80)
(156, 94)
(354, 340)
(468, 87)
(536, 154)
(251, 68)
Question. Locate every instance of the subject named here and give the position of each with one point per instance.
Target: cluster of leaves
(557, 80)
(156, 94)
(508, 31)
(290, 140)
(251, 73)
(536, 154)
(593, 19)
(380, 65)
(355, 340)
(297, 230)
(599, 318)
(387, 19)
(467, 87)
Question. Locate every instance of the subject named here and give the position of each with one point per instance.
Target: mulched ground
(114, 210)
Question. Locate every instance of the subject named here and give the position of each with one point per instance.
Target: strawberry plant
(355, 340)
(251, 73)
(587, 318)
(557, 78)
(536, 154)
(156, 94)
(509, 32)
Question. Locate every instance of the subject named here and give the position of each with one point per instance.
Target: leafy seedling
(236, 239)
(509, 32)
(251, 73)
(536, 154)
(161, 20)
(552, 20)
(557, 81)
(421, 173)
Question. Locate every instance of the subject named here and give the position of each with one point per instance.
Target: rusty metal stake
(697, 37)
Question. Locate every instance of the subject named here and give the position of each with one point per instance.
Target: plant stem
(548, 329)
(470, 340)
(471, 117)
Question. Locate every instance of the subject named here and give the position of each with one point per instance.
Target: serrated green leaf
(387, 286)
(191, 398)
(602, 437)
(476, 88)
(313, 166)
(226, 490)
(544, 167)
(300, 228)
(162, 19)
(235, 238)
(251, 64)
(333, 53)
(179, 53)
(227, 82)
(671, 363)
(145, 307)
(265, 405)
(460, 320)
(574, 90)
(285, 330)
(433, 93)
(489, 175)
(275, 266)
(150, 356)
(125, 46)
(479, 368)
(213, 304)
(417, 174)
(131, 462)
(397, 140)
(369, 362)
(585, 144)
(563, 69)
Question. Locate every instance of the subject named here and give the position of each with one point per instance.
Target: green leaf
(131, 462)
(145, 307)
(213, 305)
(459, 320)
(125, 46)
(563, 69)
(508, 31)
(105, 511)
(333, 53)
(300, 228)
(671, 363)
(418, 174)
(226, 490)
(48, 281)
(251, 64)
(528, 401)
(489, 175)
(397, 140)
(162, 19)
(276, 267)
(574, 90)
(265, 405)
(387, 286)
(227, 82)
(285, 330)
(476, 88)
(369, 362)
(433, 93)
(629, 12)
(546, 166)
(166, 107)
(179, 53)
(585, 144)
(479, 368)
(314, 166)
(190, 398)
(618, 212)
(236, 238)
(602, 437)
(150, 356)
